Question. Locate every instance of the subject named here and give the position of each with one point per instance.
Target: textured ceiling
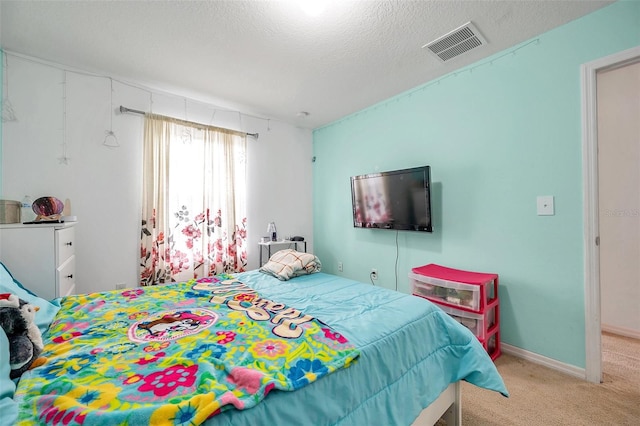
(269, 57)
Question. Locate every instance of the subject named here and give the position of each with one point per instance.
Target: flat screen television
(398, 199)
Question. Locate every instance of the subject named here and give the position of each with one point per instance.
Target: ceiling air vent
(456, 42)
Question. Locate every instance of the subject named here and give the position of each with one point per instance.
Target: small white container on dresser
(41, 256)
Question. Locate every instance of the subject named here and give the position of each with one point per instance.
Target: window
(194, 201)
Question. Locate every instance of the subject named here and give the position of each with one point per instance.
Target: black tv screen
(398, 199)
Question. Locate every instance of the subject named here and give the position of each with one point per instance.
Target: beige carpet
(541, 396)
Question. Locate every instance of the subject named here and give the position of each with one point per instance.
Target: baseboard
(621, 331)
(568, 369)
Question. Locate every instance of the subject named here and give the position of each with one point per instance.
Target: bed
(388, 358)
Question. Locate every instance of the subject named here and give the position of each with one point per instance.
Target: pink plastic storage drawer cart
(469, 297)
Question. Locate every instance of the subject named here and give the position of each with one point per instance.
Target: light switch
(545, 205)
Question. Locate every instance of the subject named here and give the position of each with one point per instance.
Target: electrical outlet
(121, 286)
(374, 274)
(339, 266)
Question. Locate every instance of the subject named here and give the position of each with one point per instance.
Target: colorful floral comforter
(176, 354)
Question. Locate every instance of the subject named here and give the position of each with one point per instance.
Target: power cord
(371, 274)
(396, 267)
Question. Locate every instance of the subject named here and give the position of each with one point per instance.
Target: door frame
(593, 341)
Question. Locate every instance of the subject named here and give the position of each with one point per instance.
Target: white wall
(619, 198)
(104, 184)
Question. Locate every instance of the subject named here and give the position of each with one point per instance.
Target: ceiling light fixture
(313, 8)
(303, 114)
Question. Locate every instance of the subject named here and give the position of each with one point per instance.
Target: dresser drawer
(65, 245)
(66, 277)
(41, 257)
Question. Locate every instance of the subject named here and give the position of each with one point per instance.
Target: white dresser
(41, 256)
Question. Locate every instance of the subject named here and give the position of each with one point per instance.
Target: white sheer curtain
(194, 201)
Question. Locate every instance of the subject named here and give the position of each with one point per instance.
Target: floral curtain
(194, 201)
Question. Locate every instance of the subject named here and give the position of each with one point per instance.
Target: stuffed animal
(17, 318)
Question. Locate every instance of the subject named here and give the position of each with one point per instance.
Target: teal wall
(497, 134)
(1, 108)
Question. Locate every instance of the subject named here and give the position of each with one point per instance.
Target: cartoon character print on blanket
(171, 325)
(184, 351)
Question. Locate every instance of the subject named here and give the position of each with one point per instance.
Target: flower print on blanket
(174, 354)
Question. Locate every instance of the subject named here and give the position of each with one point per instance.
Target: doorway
(618, 105)
(593, 316)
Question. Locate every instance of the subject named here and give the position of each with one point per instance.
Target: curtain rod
(124, 109)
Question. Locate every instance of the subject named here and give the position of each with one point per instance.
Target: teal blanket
(410, 351)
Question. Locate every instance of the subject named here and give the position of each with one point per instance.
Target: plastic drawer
(479, 324)
(452, 293)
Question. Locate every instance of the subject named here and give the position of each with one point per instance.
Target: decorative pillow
(289, 263)
(8, 407)
(48, 310)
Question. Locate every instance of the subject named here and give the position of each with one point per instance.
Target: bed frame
(448, 406)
